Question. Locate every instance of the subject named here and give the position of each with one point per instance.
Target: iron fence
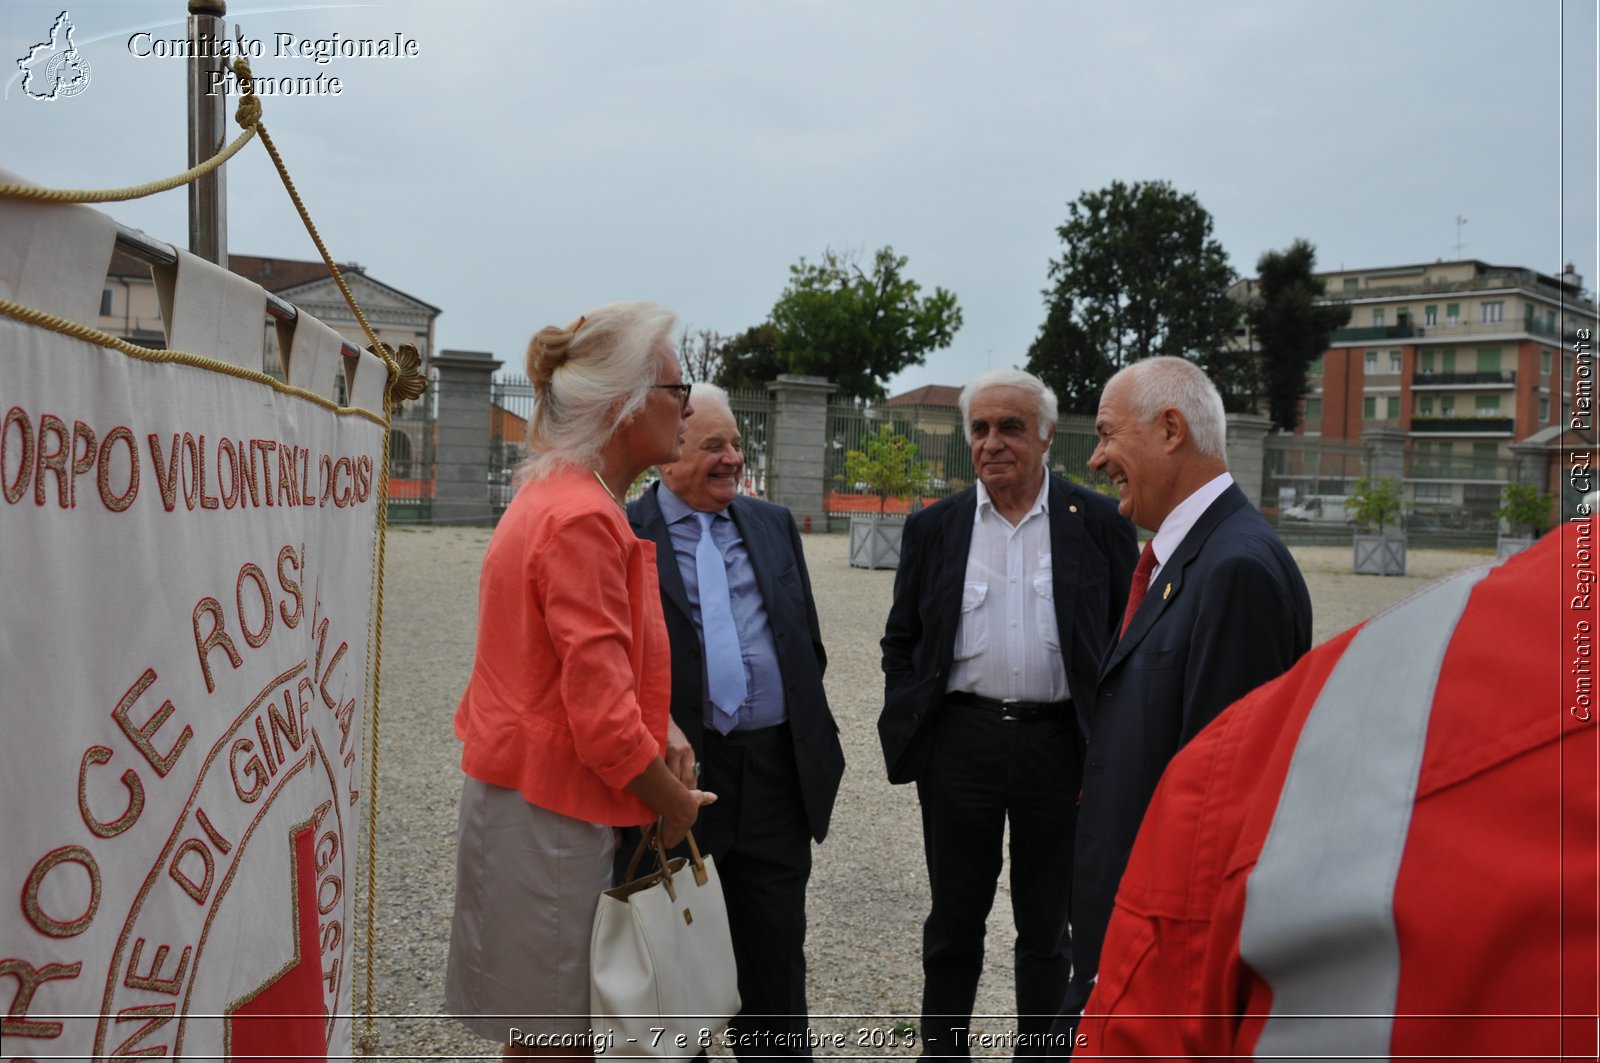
(511, 407)
(941, 447)
(411, 462)
(1447, 499)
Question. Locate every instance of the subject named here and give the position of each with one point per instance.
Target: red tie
(1141, 583)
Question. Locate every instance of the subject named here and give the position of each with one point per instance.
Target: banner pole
(208, 124)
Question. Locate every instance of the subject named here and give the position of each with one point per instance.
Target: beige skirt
(528, 881)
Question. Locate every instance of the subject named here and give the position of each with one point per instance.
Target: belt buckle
(1006, 712)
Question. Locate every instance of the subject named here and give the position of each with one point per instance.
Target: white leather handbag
(662, 979)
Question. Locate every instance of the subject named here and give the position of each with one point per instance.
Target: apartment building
(1465, 358)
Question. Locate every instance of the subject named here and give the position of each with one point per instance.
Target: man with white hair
(1006, 597)
(1218, 607)
(749, 713)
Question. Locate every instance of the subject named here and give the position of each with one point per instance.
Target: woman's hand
(676, 804)
(673, 828)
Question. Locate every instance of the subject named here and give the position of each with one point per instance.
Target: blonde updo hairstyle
(588, 380)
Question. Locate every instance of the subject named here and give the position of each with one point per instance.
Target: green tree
(750, 359)
(1290, 326)
(888, 465)
(856, 326)
(1140, 275)
(1375, 503)
(1525, 508)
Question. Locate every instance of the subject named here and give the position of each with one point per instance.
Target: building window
(1393, 408)
(1315, 368)
(1447, 361)
(1377, 317)
(1544, 362)
(1452, 314)
(1372, 361)
(1433, 493)
(1430, 315)
(1480, 496)
(1550, 322)
(1424, 361)
(1487, 406)
(1369, 408)
(1395, 361)
(1352, 284)
(1493, 312)
(1313, 414)
(1447, 406)
(105, 302)
(1425, 406)
(1544, 410)
(1488, 359)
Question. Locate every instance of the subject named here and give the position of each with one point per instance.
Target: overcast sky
(537, 158)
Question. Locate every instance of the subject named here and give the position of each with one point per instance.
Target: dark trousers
(985, 771)
(758, 835)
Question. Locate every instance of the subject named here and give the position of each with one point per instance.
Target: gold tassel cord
(405, 383)
(12, 190)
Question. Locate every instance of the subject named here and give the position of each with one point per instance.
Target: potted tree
(1380, 546)
(1526, 510)
(888, 467)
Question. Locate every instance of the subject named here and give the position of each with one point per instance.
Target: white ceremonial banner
(187, 563)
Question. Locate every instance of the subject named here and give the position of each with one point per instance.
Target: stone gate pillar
(799, 446)
(461, 440)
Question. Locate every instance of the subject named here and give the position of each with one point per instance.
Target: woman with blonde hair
(564, 719)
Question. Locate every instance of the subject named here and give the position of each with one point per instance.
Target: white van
(1324, 509)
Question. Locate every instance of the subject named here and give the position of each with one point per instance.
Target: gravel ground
(868, 892)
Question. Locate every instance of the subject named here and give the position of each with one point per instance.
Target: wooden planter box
(1379, 555)
(875, 541)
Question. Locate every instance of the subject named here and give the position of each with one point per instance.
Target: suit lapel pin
(1072, 509)
(1167, 592)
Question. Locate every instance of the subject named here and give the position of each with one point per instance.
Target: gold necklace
(609, 492)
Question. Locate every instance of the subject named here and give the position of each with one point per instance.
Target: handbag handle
(650, 838)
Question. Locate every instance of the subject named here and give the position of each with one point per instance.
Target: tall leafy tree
(1139, 275)
(859, 326)
(1292, 326)
(750, 359)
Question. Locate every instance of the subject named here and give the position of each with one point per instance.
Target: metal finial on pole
(208, 123)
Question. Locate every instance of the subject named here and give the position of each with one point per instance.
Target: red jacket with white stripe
(1389, 851)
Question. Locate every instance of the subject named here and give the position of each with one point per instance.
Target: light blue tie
(724, 660)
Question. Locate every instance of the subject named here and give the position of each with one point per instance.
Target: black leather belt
(1010, 708)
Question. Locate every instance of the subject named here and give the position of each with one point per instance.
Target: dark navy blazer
(1227, 612)
(1092, 557)
(773, 543)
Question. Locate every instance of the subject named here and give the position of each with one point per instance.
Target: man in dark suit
(1005, 599)
(1225, 610)
(748, 708)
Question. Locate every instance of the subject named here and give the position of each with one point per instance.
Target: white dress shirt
(1007, 645)
(1172, 531)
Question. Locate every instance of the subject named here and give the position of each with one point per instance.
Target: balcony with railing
(1462, 425)
(1496, 378)
(1397, 331)
(1464, 471)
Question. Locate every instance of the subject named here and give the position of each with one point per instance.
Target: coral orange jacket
(568, 697)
